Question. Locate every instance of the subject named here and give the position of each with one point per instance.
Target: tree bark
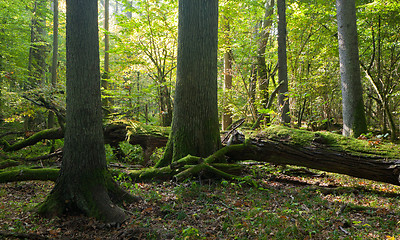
(84, 184)
(318, 157)
(354, 122)
(195, 128)
(37, 51)
(54, 58)
(227, 114)
(106, 75)
(283, 97)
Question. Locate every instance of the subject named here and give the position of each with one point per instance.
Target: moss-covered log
(8, 163)
(318, 157)
(148, 137)
(55, 133)
(44, 174)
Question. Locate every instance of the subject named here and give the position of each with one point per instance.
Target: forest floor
(289, 203)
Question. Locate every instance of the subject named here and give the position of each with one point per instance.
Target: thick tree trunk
(84, 184)
(352, 97)
(195, 128)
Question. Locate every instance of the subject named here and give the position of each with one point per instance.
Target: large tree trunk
(84, 184)
(195, 128)
(353, 106)
(282, 63)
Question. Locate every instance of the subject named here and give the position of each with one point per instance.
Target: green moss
(45, 174)
(332, 141)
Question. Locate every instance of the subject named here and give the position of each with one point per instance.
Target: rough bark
(278, 152)
(354, 122)
(195, 128)
(318, 157)
(84, 183)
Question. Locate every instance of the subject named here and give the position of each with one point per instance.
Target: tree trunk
(106, 75)
(54, 62)
(227, 114)
(353, 106)
(37, 51)
(84, 184)
(195, 127)
(262, 71)
(283, 97)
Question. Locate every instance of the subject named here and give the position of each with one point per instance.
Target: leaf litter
(282, 206)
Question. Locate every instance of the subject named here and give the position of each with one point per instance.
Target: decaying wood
(320, 158)
(44, 174)
(113, 134)
(222, 163)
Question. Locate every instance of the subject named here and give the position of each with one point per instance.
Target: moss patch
(366, 147)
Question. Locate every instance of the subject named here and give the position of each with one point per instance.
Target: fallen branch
(55, 133)
(57, 153)
(43, 174)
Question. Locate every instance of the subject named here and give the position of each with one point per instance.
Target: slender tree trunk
(353, 106)
(195, 127)
(263, 74)
(106, 74)
(226, 113)
(37, 51)
(54, 59)
(84, 183)
(283, 97)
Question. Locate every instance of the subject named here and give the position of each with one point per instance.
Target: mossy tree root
(95, 200)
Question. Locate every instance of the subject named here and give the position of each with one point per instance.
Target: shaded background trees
(143, 37)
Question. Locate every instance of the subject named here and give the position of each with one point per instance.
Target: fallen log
(55, 133)
(318, 157)
(113, 134)
(44, 174)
